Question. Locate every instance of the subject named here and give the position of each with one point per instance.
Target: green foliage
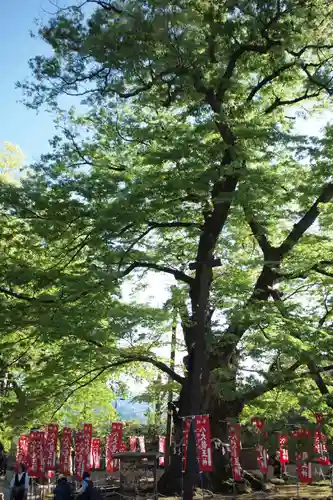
(185, 147)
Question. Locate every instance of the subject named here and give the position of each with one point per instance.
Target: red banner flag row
(38, 451)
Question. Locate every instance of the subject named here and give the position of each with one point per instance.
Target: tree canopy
(181, 156)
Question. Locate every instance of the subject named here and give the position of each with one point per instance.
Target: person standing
(85, 480)
(63, 490)
(19, 484)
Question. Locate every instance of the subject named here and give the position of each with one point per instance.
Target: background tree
(186, 152)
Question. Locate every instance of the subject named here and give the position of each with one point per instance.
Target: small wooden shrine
(138, 472)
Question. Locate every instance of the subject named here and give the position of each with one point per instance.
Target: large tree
(184, 159)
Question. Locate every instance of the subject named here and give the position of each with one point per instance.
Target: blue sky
(18, 124)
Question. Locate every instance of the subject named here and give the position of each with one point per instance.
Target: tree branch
(179, 275)
(40, 300)
(280, 378)
(242, 49)
(269, 274)
(288, 376)
(268, 79)
(306, 221)
(304, 274)
(84, 159)
(151, 226)
(289, 102)
(135, 358)
(258, 232)
(176, 224)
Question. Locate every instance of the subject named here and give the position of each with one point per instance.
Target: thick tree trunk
(172, 480)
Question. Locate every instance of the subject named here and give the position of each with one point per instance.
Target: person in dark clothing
(19, 484)
(90, 493)
(85, 479)
(63, 490)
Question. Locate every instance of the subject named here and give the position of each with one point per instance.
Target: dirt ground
(286, 492)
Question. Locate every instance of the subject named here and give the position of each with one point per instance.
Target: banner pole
(297, 478)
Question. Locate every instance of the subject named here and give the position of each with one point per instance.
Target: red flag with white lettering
(65, 453)
(304, 470)
(261, 451)
(22, 453)
(186, 430)
(79, 455)
(161, 449)
(283, 444)
(262, 459)
(142, 445)
(203, 442)
(132, 443)
(123, 448)
(234, 441)
(96, 453)
(36, 452)
(320, 447)
(50, 448)
(114, 441)
(87, 437)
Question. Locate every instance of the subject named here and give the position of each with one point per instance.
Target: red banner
(87, 437)
(283, 444)
(261, 451)
(259, 423)
(50, 448)
(186, 431)
(36, 458)
(301, 433)
(142, 445)
(132, 443)
(65, 454)
(320, 448)
(203, 442)
(114, 441)
(79, 455)
(234, 441)
(123, 448)
(22, 452)
(319, 418)
(262, 459)
(304, 471)
(96, 453)
(161, 449)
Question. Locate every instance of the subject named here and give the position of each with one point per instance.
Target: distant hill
(129, 410)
